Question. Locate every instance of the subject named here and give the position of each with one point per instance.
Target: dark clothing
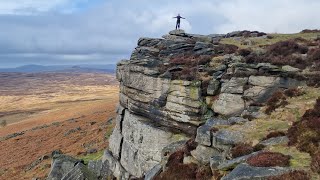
(178, 21)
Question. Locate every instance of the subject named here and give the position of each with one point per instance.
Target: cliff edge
(201, 105)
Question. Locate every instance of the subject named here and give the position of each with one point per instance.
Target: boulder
(142, 144)
(230, 164)
(228, 137)
(171, 148)
(177, 32)
(204, 153)
(246, 172)
(229, 104)
(204, 134)
(213, 87)
(61, 165)
(80, 172)
(288, 68)
(234, 85)
(237, 120)
(148, 42)
(264, 81)
(112, 164)
(155, 171)
(215, 161)
(275, 141)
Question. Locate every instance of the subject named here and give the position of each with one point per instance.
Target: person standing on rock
(178, 21)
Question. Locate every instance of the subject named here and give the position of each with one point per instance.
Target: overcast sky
(105, 31)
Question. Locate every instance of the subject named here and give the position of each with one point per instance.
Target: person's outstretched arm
(183, 18)
(175, 17)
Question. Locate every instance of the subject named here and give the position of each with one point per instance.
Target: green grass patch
(258, 129)
(92, 157)
(108, 132)
(299, 160)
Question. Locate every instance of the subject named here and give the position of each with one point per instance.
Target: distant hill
(32, 68)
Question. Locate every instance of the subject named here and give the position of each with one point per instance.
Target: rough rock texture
(159, 110)
(80, 172)
(61, 165)
(246, 172)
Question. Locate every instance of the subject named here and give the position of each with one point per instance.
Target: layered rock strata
(156, 111)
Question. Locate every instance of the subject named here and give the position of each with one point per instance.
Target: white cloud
(19, 6)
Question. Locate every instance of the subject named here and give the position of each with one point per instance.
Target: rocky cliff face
(161, 107)
(194, 106)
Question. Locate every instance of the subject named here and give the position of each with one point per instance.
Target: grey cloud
(113, 27)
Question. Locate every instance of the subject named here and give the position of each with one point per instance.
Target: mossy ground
(91, 157)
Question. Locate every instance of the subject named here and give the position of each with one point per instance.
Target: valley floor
(74, 118)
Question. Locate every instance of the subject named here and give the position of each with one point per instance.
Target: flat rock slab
(275, 141)
(234, 162)
(156, 170)
(246, 172)
(80, 172)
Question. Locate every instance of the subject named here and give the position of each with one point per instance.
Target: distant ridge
(33, 68)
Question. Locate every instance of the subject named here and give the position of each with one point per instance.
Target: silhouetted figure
(178, 21)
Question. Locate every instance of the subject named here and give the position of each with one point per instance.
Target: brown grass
(315, 163)
(241, 150)
(293, 92)
(274, 134)
(278, 99)
(305, 134)
(80, 110)
(269, 159)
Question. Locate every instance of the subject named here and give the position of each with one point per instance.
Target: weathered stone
(80, 172)
(189, 160)
(171, 148)
(229, 104)
(230, 164)
(114, 166)
(264, 81)
(201, 45)
(246, 172)
(175, 38)
(290, 69)
(234, 85)
(215, 161)
(204, 135)
(244, 72)
(266, 66)
(203, 153)
(237, 120)
(258, 94)
(115, 141)
(275, 141)
(148, 42)
(142, 144)
(120, 110)
(252, 112)
(60, 166)
(213, 87)
(177, 32)
(96, 167)
(155, 171)
(228, 137)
